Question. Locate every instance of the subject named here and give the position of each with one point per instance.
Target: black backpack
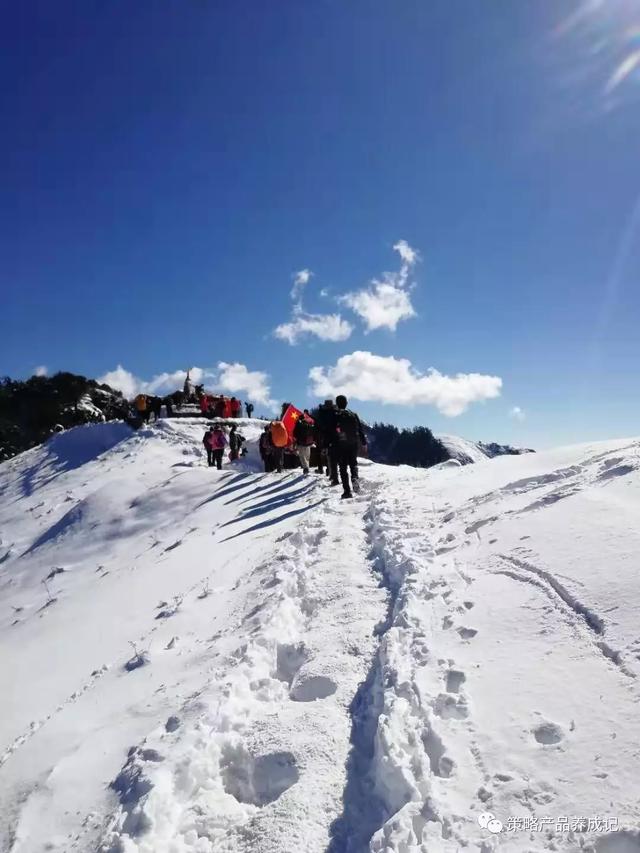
(347, 425)
(303, 431)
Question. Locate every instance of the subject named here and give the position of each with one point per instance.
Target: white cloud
(235, 378)
(389, 380)
(384, 305)
(41, 370)
(300, 279)
(408, 255)
(386, 302)
(122, 380)
(164, 383)
(327, 327)
(253, 383)
(517, 413)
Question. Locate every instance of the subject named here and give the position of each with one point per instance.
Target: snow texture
(198, 661)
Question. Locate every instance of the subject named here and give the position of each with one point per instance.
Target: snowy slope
(462, 449)
(311, 675)
(467, 452)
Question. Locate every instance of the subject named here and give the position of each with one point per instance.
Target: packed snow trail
(271, 736)
(312, 675)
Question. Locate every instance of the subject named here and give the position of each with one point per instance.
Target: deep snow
(238, 661)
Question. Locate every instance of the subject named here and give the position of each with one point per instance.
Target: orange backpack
(279, 434)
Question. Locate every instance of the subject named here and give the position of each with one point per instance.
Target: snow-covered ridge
(467, 452)
(233, 661)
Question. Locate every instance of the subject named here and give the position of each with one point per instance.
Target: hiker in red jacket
(236, 408)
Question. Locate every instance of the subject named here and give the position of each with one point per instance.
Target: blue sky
(169, 167)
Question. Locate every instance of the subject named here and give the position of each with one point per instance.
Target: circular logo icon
(490, 822)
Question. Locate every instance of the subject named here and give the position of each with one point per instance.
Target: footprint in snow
(290, 657)
(548, 734)
(450, 707)
(455, 680)
(260, 780)
(312, 687)
(172, 723)
(503, 777)
(467, 633)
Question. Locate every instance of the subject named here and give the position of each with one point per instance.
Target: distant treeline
(30, 411)
(417, 446)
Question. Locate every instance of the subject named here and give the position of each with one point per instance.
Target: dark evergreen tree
(417, 446)
(30, 410)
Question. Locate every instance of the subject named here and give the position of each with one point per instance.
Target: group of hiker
(335, 434)
(212, 406)
(215, 440)
(146, 405)
(218, 406)
(330, 440)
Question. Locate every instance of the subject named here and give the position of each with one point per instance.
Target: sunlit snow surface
(237, 661)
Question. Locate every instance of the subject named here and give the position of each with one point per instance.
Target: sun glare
(608, 36)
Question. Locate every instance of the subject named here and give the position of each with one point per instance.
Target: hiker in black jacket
(264, 446)
(324, 418)
(346, 437)
(236, 440)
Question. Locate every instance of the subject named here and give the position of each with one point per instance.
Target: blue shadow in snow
(277, 520)
(270, 487)
(71, 449)
(269, 505)
(227, 488)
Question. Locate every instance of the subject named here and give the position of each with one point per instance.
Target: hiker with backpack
(249, 408)
(207, 440)
(142, 407)
(322, 430)
(278, 440)
(217, 442)
(345, 438)
(236, 441)
(264, 446)
(156, 405)
(303, 437)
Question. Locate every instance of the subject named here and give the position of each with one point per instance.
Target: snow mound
(77, 446)
(448, 463)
